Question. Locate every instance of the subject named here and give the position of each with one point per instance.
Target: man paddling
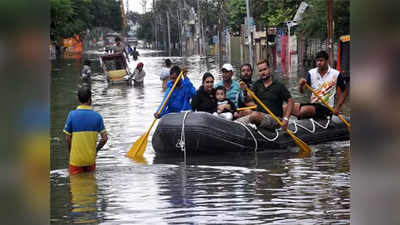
(180, 98)
(272, 93)
(324, 80)
(81, 131)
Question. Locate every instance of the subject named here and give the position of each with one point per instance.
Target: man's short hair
(168, 62)
(220, 88)
(263, 61)
(84, 94)
(322, 54)
(86, 62)
(175, 69)
(246, 64)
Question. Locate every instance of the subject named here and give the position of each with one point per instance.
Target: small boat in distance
(116, 68)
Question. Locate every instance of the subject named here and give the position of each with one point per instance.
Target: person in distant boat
(138, 75)
(180, 97)
(272, 93)
(86, 72)
(324, 80)
(225, 107)
(204, 100)
(119, 46)
(164, 76)
(135, 54)
(81, 130)
(233, 91)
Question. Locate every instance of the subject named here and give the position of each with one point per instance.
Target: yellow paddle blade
(138, 146)
(303, 146)
(142, 148)
(140, 160)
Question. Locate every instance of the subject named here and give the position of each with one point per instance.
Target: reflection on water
(233, 188)
(83, 198)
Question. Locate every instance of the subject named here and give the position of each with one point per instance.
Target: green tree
(236, 14)
(69, 17)
(62, 14)
(315, 18)
(145, 31)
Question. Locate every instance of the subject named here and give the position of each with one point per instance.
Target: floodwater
(230, 189)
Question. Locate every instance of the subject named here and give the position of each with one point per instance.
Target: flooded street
(230, 189)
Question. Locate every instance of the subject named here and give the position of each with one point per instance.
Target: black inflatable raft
(205, 133)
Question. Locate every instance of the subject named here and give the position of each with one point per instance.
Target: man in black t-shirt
(273, 94)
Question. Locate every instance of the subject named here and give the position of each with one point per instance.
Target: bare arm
(68, 138)
(287, 113)
(341, 98)
(302, 82)
(102, 141)
(247, 97)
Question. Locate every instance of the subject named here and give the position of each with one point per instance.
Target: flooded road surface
(228, 189)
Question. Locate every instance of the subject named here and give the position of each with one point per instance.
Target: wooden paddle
(328, 106)
(303, 146)
(246, 108)
(138, 148)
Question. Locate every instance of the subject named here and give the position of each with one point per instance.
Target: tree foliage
(69, 17)
(237, 13)
(264, 12)
(315, 18)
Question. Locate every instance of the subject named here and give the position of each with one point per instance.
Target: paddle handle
(246, 108)
(264, 106)
(327, 105)
(301, 144)
(170, 92)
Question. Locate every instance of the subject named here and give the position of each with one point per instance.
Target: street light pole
(330, 31)
(249, 38)
(289, 62)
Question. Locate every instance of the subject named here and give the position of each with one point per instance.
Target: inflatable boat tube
(201, 132)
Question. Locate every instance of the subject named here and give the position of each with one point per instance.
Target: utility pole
(169, 35)
(249, 36)
(219, 34)
(123, 20)
(288, 58)
(330, 31)
(155, 24)
(199, 26)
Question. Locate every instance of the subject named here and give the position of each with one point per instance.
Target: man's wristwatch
(285, 118)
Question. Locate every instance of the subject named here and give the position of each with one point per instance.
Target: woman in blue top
(180, 98)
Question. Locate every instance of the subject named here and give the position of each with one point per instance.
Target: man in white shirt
(324, 80)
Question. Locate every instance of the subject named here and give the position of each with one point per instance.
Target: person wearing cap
(273, 94)
(233, 91)
(138, 75)
(81, 131)
(164, 76)
(180, 97)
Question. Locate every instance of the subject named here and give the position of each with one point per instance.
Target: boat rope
(313, 122)
(266, 138)
(252, 135)
(181, 142)
(296, 125)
